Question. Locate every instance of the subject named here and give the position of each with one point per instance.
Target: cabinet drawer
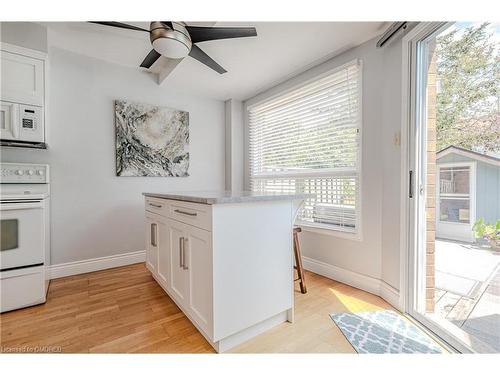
(157, 206)
(196, 214)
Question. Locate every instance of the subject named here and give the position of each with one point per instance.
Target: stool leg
(298, 261)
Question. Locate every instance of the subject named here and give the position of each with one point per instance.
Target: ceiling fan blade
(150, 59)
(168, 23)
(119, 25)
(202, 34)
(198, 54)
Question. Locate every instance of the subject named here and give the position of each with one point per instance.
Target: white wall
(377, 254)
(234, 145)
(391, 182)
(25, 34)
(95, 213)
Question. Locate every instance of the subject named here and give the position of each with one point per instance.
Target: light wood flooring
(124, 310)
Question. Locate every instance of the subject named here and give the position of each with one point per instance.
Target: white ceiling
(280, 50)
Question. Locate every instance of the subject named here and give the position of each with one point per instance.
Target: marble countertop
(220, 197)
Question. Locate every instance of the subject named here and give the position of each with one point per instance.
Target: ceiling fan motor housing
(174, 43)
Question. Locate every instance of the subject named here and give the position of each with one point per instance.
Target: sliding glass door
(453, 265)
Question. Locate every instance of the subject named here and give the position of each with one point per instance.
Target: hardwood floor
(124, 310)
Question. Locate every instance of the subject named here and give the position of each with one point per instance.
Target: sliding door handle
(410, 185)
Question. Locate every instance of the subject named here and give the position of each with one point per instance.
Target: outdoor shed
(467, 190)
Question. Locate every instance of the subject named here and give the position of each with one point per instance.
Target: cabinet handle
(184, 240)
(186, 213)
(181, 252)
(156, 205)
(153, 235)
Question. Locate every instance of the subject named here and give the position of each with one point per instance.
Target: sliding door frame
(413, 177)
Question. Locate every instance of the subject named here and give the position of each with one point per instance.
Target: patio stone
(471, 276)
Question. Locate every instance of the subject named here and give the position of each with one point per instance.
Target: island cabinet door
(198, 263)
(151, 243)
(163, 268)
(179, 277)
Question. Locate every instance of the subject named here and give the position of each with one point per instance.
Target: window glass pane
(307, 141)
(9, 234)
(454, 180)
(334, 201)
(454, 210)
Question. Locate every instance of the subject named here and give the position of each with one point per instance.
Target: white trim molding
(354, 279)
(96, 264)
(390, 295)
(12, 48)
(328, 231)
(408, 108)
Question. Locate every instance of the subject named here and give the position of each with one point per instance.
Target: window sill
(453, 223)
(308, 227)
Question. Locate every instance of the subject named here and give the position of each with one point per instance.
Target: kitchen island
(225, 258)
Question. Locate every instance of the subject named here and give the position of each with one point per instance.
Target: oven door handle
(4, 206)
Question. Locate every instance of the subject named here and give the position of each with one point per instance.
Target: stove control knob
(39, 172)
(19, 172)
(30, 172)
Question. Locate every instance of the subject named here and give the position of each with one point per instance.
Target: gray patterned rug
(384, 331)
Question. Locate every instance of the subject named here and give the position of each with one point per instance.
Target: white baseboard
(233, 341)
(96, 264)
(357, 280)
(390, 294)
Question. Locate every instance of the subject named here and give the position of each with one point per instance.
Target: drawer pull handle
(186, 213)
(156, 205)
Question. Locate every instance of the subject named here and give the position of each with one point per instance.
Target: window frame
(278, 91)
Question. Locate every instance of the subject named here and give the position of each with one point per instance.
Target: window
(454, 194)
(307, 140)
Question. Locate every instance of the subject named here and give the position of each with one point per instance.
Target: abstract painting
(151, 140)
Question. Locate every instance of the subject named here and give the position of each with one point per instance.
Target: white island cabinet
(225, 258)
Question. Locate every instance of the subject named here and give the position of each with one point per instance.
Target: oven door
(22, 234)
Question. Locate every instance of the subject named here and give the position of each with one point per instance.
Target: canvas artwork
(151, 140)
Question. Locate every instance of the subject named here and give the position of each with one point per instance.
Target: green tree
(468, 71)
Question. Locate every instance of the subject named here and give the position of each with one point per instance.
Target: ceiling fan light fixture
(177, 40)
(170, 48)
(172, 43)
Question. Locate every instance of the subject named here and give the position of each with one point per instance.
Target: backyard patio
(467, 292)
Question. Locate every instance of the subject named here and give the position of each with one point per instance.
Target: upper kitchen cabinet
(23, 75)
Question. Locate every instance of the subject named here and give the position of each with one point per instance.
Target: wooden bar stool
(298, 260)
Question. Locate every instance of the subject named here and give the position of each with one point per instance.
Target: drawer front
(32, 284)
(157, 206)
(196, 214)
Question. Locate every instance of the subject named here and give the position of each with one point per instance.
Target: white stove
(25, 234)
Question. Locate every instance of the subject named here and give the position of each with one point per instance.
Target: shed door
(455, 206)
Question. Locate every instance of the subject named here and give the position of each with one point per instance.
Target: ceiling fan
(177, 40)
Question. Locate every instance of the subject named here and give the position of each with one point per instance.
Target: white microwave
(22, 125)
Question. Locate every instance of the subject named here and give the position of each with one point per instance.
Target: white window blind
(307, 140)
